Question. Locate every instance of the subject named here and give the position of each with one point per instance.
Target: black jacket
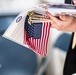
(70, 61)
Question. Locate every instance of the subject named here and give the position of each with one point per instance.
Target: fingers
(46, 17)
(64, 17)
(63, 22)
(53, 18)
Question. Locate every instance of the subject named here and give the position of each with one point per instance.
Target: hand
(74, 1)
(63, 23)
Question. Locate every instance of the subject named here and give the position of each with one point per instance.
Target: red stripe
(46, 38)
(39, 45)
(44, 41)
(43, 38)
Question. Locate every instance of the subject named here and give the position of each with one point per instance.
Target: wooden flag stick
(30, 20)
(43, 20)
(32, 14)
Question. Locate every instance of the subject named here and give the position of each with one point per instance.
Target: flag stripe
(42, 37)
(39, 45)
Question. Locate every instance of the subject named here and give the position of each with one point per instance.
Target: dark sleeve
(70, 61)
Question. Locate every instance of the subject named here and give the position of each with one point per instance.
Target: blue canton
(34, 30)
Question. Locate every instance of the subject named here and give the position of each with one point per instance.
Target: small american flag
(36, 36)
